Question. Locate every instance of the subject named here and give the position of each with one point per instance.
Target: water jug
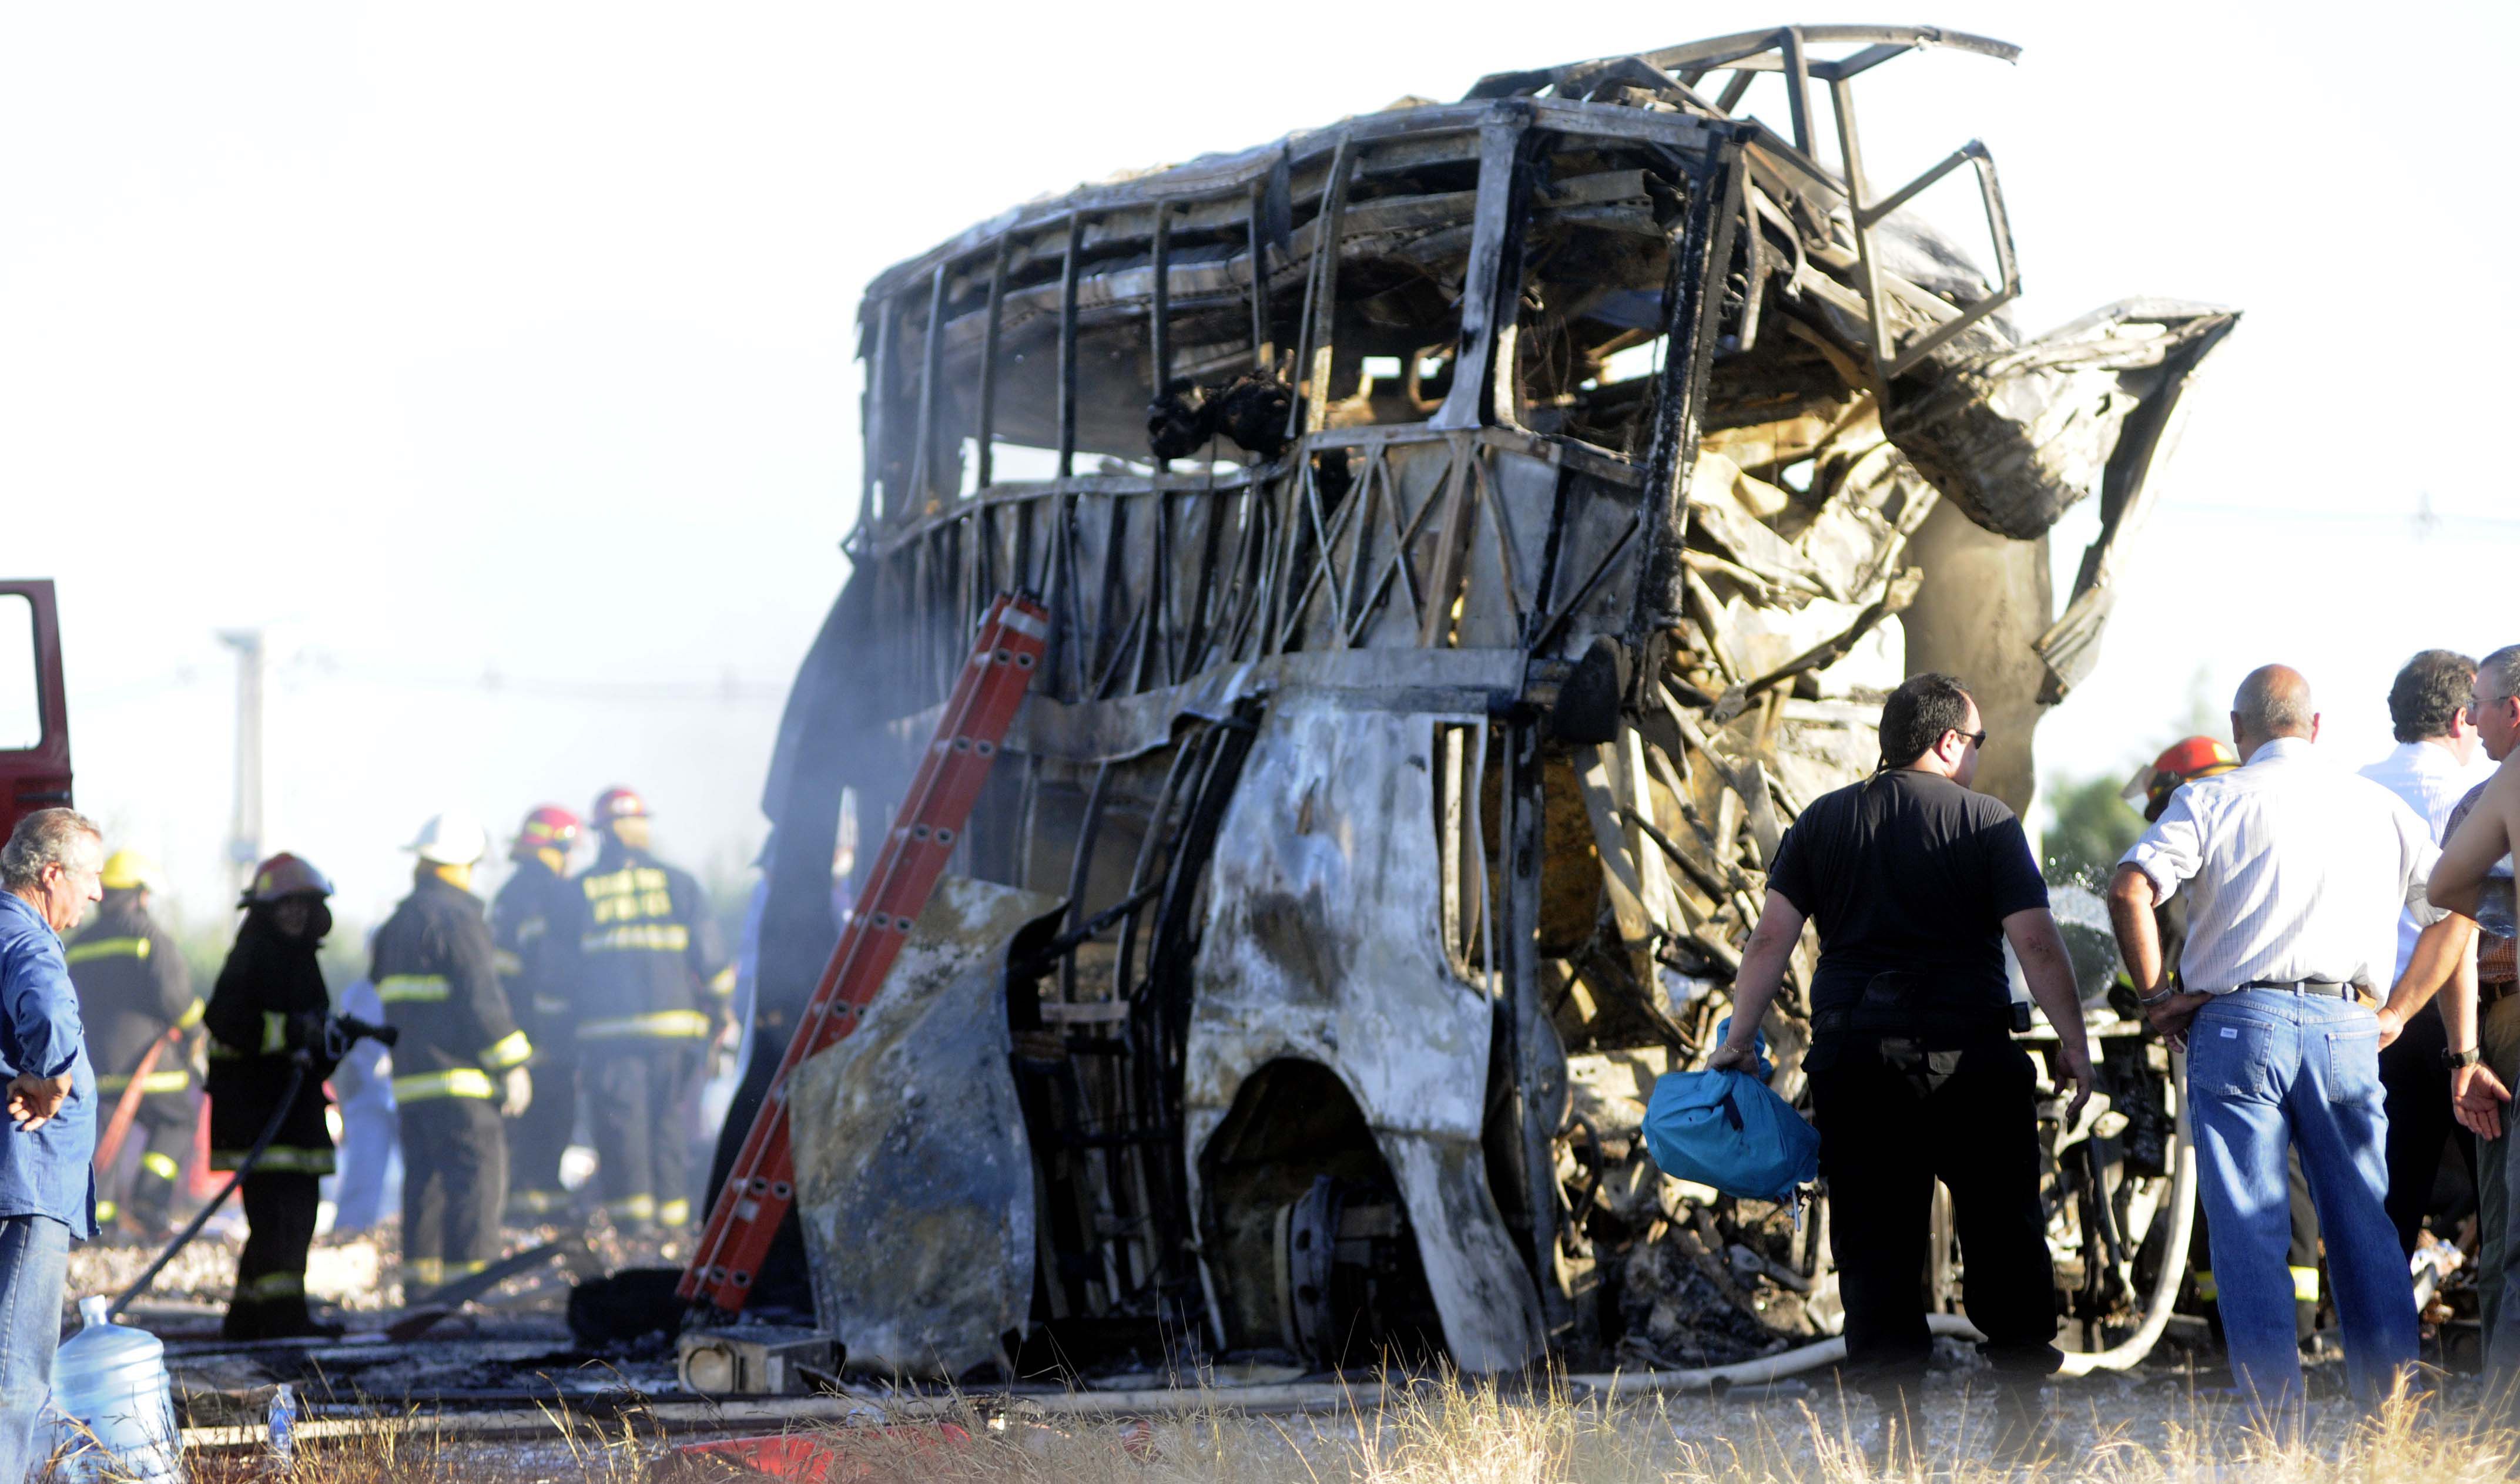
(113, 1409)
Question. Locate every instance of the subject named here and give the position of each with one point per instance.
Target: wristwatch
(2453, 1061)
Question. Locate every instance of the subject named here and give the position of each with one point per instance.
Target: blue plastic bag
(1727, 1129)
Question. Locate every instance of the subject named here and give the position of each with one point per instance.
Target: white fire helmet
(452, 838)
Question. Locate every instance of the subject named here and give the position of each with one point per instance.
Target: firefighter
(534, 968)
(135, 994)
(267, 1023)
(654, 981)
(2180, 763)
(459, 1064)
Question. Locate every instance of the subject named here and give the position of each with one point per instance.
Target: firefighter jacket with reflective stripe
(436, 972)
(133, 988)
(652, 964)
(270, 999)
(529, 925)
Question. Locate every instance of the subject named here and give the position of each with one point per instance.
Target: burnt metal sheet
(2071, 647)
(2018, 435)
(914, 1176)
(1324, 944)
(1464, 681)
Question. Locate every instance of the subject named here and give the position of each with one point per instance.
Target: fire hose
(2174, 1255)
(338, 1034)
(109, 1146)
(2181, 1210)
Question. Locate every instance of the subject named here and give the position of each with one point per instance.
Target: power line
(2423, 522)
(730, 689)
(298, 675)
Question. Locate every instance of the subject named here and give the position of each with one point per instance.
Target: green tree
(2088, 827)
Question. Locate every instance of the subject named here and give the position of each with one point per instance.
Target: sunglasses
(1978, 737)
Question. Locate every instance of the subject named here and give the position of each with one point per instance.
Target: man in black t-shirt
(1914, 883)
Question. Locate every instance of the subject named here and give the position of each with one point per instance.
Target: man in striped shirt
(2434, 762)
(2295, 872)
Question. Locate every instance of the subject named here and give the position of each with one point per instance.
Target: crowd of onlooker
(2308, 937)
(2326, 995)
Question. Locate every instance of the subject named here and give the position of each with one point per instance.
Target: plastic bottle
(112, 1405)
(284, 1427)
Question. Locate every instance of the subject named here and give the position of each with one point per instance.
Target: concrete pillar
(1985, 601)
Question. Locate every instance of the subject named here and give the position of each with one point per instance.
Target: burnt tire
(626, 1307)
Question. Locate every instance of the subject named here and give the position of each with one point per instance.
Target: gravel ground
(352, 1273)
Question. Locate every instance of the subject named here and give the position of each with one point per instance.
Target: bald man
(2295, 872)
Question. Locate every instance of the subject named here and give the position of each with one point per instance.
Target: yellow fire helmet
(126, 869)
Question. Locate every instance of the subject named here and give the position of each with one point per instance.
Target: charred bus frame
(1421, 522)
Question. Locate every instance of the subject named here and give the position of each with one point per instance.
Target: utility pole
(245, 826)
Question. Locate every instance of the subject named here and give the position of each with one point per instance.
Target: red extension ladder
(744, 1215)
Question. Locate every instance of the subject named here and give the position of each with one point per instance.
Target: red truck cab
(34, 714)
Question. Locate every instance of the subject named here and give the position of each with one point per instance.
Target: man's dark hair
(2428, 693)
(1919, 714)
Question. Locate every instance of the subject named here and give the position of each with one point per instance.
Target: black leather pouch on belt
(1898, 1003)
(1918, 1036)
(1892, 1005)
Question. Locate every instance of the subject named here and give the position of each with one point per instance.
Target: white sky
(454, 341)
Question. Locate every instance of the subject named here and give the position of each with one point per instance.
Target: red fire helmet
(619, 804)
(549, 828)
(285, 876)
(2185, 762)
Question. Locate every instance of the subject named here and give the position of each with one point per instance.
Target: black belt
(2494, 991)
(1967, 1023)
(2331, 988)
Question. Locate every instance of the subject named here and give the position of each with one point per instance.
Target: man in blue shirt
(48, 876)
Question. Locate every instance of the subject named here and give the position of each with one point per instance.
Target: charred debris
(1473, 531)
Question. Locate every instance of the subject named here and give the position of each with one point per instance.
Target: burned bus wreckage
(1470, 532)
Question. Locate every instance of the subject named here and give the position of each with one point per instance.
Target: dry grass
(1472, 1433)
(1462, 1433)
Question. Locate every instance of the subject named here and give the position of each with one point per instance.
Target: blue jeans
(34, 1263)
(2268, 1069)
